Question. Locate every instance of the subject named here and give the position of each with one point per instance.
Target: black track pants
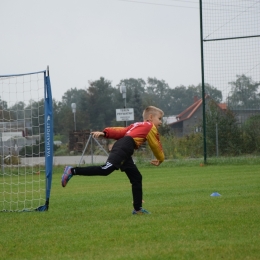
(103, 170)
(120, 157)
(135, 179)
(128, 167)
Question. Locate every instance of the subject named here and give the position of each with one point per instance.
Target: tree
(252, 134)
(3, 104)
(5, 113)
(182, 97)
(244, 93)
(213, 92)
(34, 112)
(65, 118)
(228, 131)
(135, 90)
(137, 105)
(158, 90)
(100, 96)
(18, 108)
(73, 96)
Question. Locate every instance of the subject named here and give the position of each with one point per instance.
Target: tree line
(97, 103)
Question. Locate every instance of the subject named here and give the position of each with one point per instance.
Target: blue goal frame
(48, 137)
(48, 134)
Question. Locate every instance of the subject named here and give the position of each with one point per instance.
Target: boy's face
(156, 119)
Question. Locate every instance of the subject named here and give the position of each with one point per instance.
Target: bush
(251, 134)
(190, 146)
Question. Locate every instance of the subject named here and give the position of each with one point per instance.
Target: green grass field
(91, 218)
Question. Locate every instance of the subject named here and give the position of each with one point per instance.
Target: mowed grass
(91, 218)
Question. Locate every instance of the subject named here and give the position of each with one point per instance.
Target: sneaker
(67, 174)
(141, 211)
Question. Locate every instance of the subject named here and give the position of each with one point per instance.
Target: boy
(120, 157)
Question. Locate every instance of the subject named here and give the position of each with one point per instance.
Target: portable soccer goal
(26, 141)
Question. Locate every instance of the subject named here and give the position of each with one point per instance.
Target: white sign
(124, 114)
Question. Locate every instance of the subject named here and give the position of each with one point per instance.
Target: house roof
(223, 106)
(188, 112)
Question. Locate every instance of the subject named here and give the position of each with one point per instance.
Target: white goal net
(25, 142)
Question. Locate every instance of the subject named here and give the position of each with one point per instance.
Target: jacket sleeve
(153, 140)
(115, 132)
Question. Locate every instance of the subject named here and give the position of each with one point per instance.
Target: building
(190, 119)
(14, 136)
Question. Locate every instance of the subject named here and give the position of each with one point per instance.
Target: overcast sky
(83, 40)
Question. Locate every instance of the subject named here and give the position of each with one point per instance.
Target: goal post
(48, 119)
(26, 141)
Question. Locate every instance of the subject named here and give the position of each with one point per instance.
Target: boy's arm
(96, 134)
(111, 132)
(155, 162)
(155, 145)
(115, 132)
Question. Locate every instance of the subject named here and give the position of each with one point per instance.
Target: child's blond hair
(151, 110)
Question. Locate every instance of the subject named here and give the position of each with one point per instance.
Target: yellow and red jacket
(140, 132)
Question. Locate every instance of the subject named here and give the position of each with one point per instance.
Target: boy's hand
(155, 162)
(97, 134)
